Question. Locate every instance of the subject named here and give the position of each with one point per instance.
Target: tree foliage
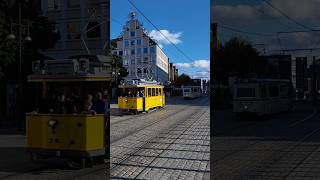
(41, 30)
(183, 79)
(237, 57)
(118, 65)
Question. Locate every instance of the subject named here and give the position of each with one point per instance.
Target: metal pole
(20, 46)
(314, 78)
(20, 70)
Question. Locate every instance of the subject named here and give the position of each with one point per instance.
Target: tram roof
(68, 78)
(140, 85)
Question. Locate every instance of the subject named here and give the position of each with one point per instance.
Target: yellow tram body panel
(72, 132)
(155, 101)
(145, 103)
(131, 103)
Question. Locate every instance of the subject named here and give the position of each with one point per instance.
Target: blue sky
(186, 23)
(259, 17)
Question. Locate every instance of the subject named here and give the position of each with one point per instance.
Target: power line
(245, 32)
(249, 2)
(184, 54)
(287, 16)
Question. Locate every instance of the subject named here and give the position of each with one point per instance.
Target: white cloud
(162, 40)
(201, 75)
(183, 65)
(203, 64)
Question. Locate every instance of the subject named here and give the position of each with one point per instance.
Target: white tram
(262, 96)
(191, 92)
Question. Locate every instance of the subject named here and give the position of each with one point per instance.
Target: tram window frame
(246, 92)
(263, 91)
(274, 94)
(153, 91)
(284, 90)
(149, 92)
(157, 91)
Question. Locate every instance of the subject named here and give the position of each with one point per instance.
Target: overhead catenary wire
(178, 49)
(287, 16)
(245, 32)
(249, 2)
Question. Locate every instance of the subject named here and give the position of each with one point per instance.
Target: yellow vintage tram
(65, 125)
(140, 96)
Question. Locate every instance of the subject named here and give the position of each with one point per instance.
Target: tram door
(144, 99)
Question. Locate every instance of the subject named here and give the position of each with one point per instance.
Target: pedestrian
(99, 105)
(87, 105)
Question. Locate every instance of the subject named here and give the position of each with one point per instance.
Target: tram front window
(246, 92)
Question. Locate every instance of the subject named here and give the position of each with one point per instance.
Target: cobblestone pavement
(172, 144)
(286, 146)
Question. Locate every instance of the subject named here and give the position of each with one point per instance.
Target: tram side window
(157, 92)
(246, 92)
(153, 92)
(160, 93)
(149, 92)
(284, 90)
(263, 91)
(274, 91)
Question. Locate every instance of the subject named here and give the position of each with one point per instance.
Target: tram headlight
(52, 123)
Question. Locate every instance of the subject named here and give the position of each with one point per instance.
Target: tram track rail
(148, 141)
(247, 147)
(168, 114)
(102, 167)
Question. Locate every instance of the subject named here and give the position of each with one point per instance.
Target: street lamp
(12, 36)
(116, 74)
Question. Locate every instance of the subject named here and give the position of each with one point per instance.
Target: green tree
(42, 31)
(183, 79)
(117, 67)
(238, 57)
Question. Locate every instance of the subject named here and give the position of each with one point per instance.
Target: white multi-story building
(141, 55)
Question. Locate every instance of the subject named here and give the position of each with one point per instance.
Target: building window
(138, 60)
(139, 71)
(145, 50)
(120, 53)
(93, 30)
(73, 4)
(133, 61)
(139, 42)
(145, 60)
(114, 53)
(126, 53)
(139, 51)
(133, 52)
(152, 50)
(153, 59)
(126, 43)
(132, 42)
(53, 5)
(132, 34)
(145, 70)
(73, 30)
(125, 62)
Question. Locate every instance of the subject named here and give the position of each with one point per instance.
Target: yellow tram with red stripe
(141, 96)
